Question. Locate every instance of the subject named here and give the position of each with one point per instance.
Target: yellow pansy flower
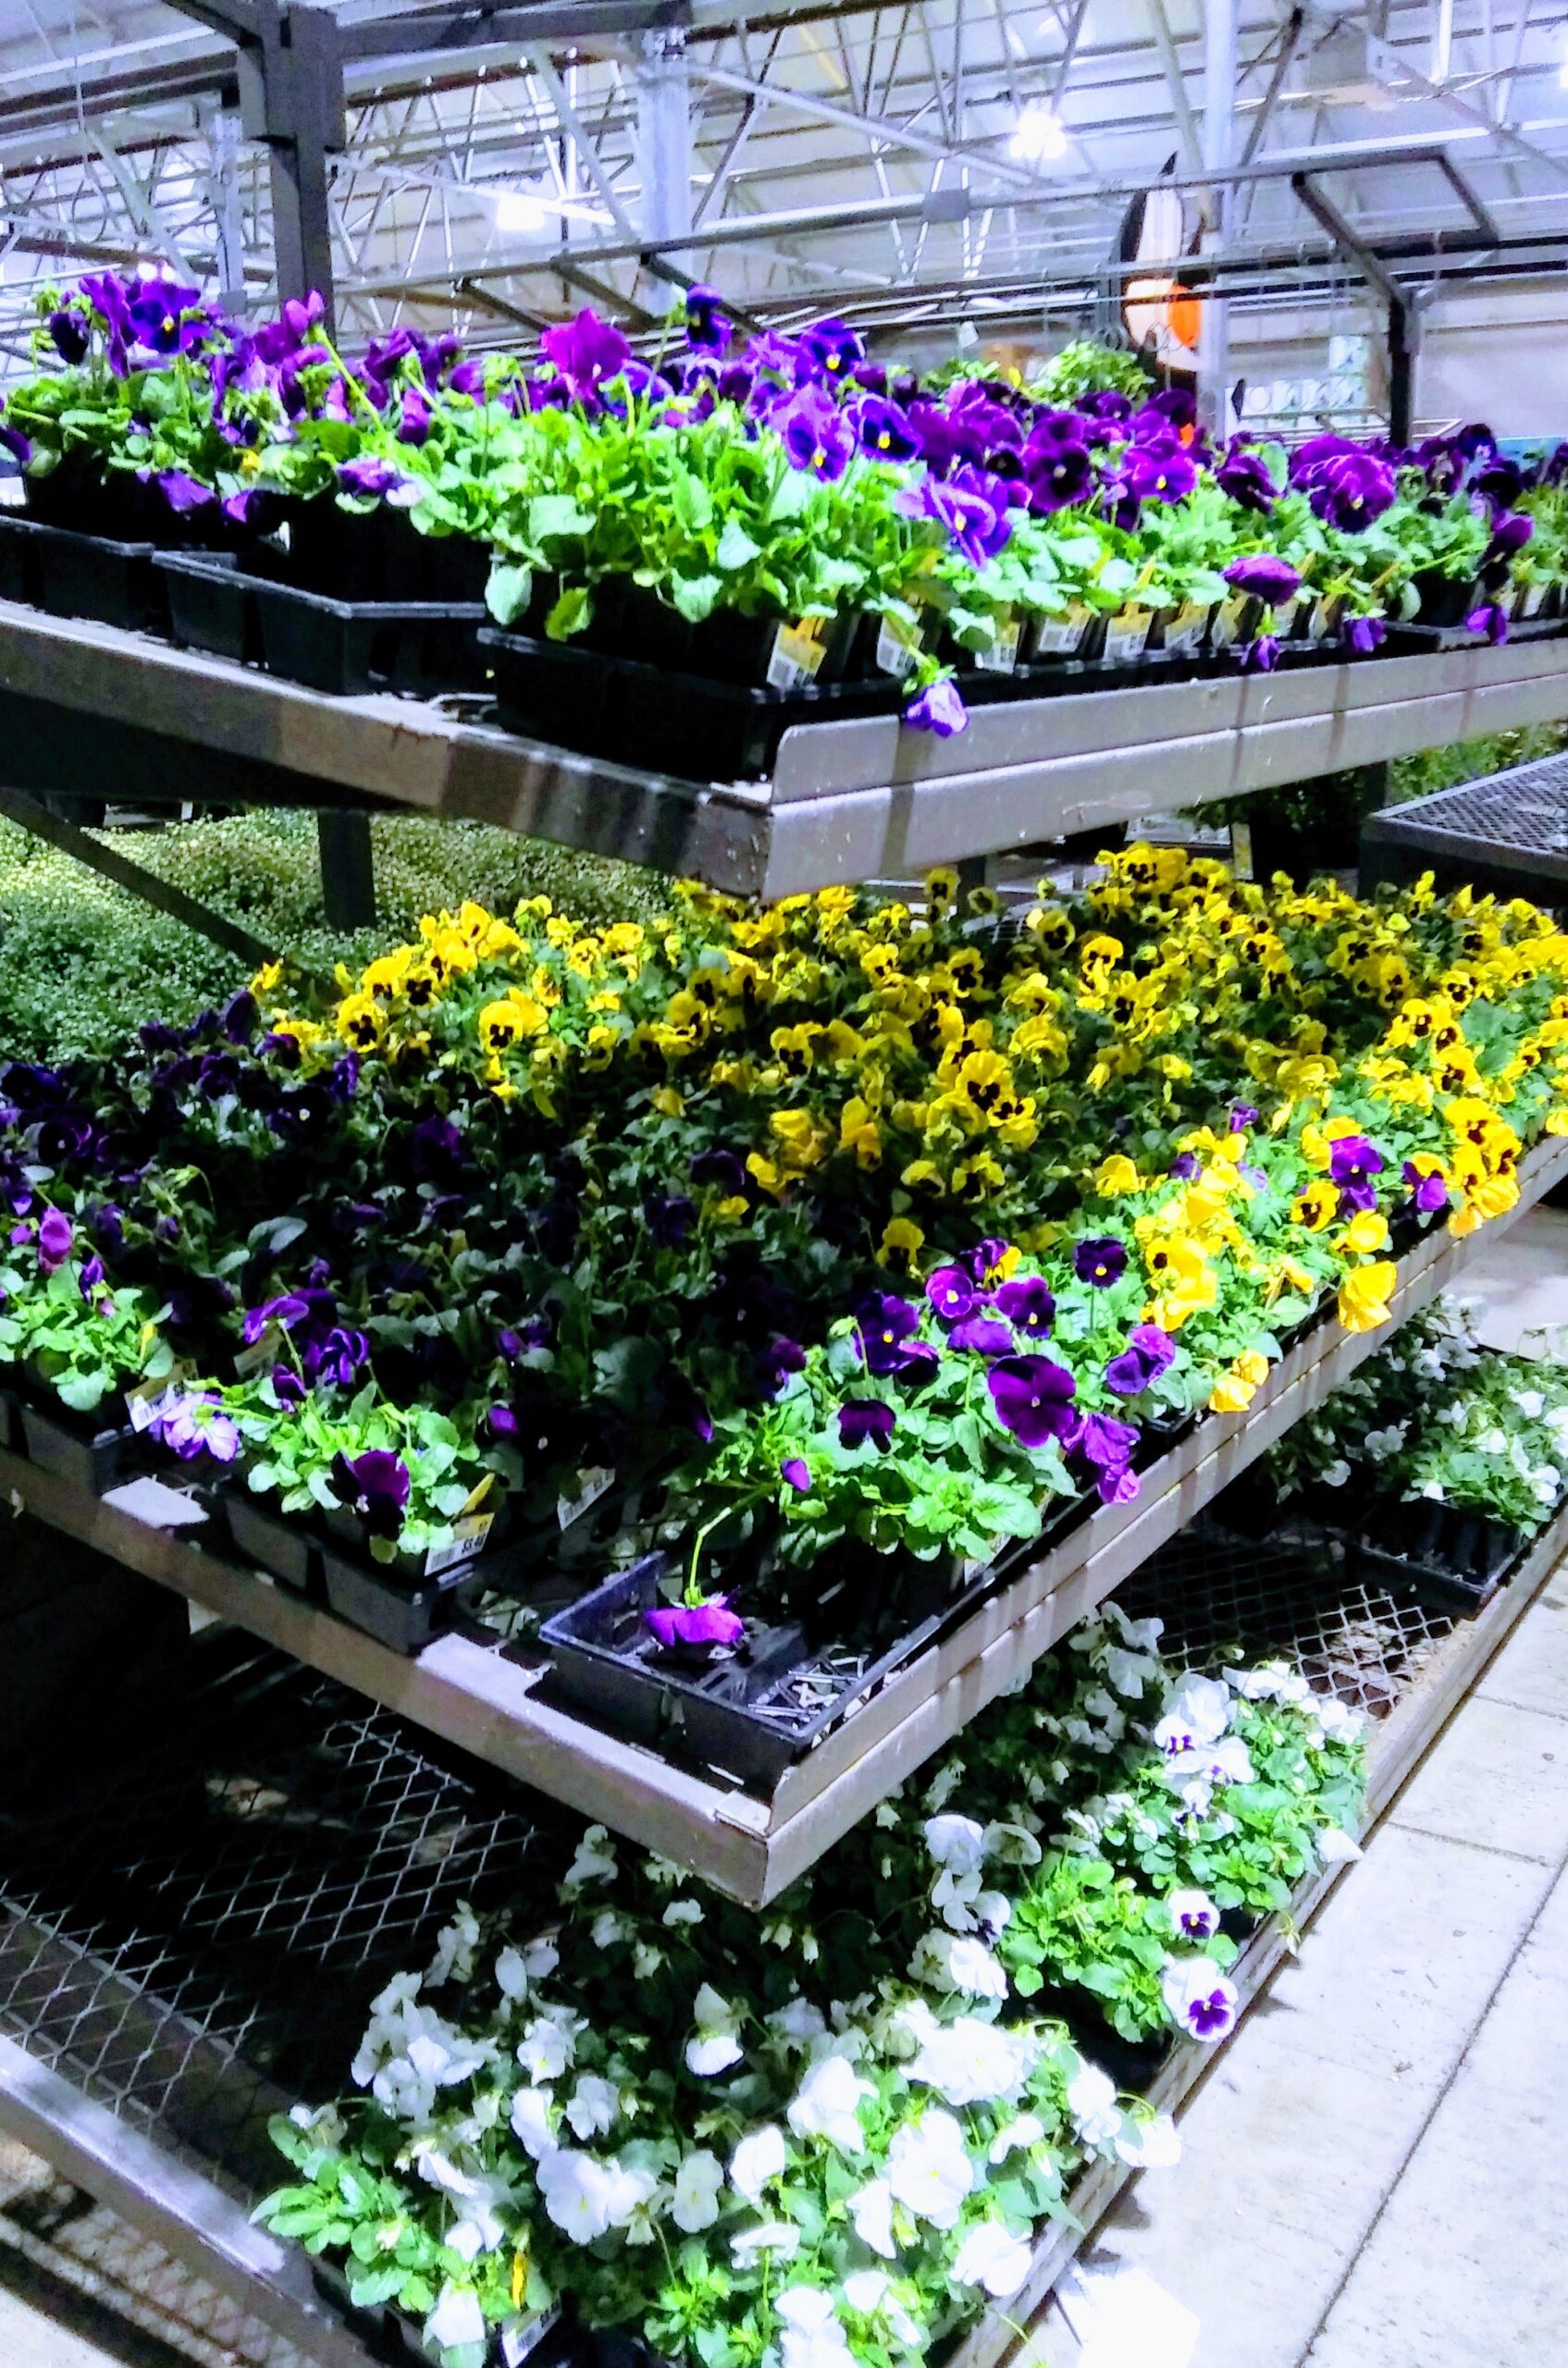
(1366, 1295)
(901, 1243)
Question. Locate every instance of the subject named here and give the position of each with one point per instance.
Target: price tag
(468, 1534)
(1325, 616)
(1002, 658)
(1226, 624)
(591, 1486)
(1185, 627)
(262, 1353)
(1059, 637)
(1128, 634)
(893, 656)
(797, 654)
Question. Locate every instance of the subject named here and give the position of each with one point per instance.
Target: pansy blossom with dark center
(1034, 1397)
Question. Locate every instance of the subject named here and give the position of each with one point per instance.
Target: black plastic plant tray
(87, 575)
(351, 646)
(404, 1617)
(1445, 1554)
(1414, 640)
(91, 1458)
(751, 1716)
(691, 726)
(282, 1547)
(212, 605)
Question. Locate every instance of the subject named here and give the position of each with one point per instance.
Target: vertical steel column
(223, 184)
(291, 97)
(1219, 136)
(663, 139)
(348, 866)
(1404, 337)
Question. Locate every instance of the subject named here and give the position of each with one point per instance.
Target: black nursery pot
(373, 555)
(275, 1544)
(92, 1457)
(1445, 599)
(1447, 1555)
(405, 1614)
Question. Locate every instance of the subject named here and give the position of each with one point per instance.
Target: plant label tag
(591, 1486)
(468, 1534)
(1002, 658)
(1226, 624)
(892, 655)
(797, 654)
(1241, 849)
(155, 1506)
(1125, 634)
(262, 1353)
(518, 2342)
(1531, 598)
(1059, 637)
(1184, 629)
(141, 1403)
(1321, 622)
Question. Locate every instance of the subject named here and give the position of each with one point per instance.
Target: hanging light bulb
(520, 211)
(1038, 135)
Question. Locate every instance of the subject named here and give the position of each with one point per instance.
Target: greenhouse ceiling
(933, 164)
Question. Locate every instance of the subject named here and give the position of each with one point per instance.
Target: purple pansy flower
(1428, 1194)
(70, 335)
(184, 493)
(1033, 1399)
(860, 1419)
(1350, 489)
(1028, 1304)
(53, 1241)
(1363, 634)
(1105, 1442)
(192, 1424)
(1186, 1164)
(951, 1293)
(884, 429)
(370, 475)
(1101, 1262)
(981, 1335)
(781, 1358)
(586, 352)
(1245, 477)
(1490, 619)
(940, 708)
(709, 327)
(1261, 655)
(1242, 1116)
(711, 1622)
(833, 346)
(794, 1470)
(986, 1257)
(1262, 577)
(1149, 1353)
(376, 1486)
(886, 1326)
(815, 434)
(719, 1167)
(286, 1386)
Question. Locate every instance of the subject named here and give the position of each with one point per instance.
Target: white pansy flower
(1492, 1442)
(540, 1959)
(758, 2159)
(548, 2046)
(957, 1844)
(1381, 1445)
(1432, 1489)
(912, 2027)
(1091, 2101)
(798, 2023)
(578, 2192)
(1129, 1674)
(1336, 1847)
(826, 2105)
(946, 1962)
(594, 1863)
(1530, 1402)
(716, 2046)
(453, 1960)
(511, 1974)
(682, 1911)
(1335, 1474)
(866, 2290)
(1012, 1845)
(811, 2336)
(971, 2062)
(780, 2238)
(593, 2105)
(627, 2191)
(871, 2209)
(929, 2168)
(646, 1960)
(1149, 2144)
(944, 1784)
(607, 1929)
(1026, 2131)
(456, 2320)
(1193, 1915)
(530, 2121)
(1198, 1998)
(699, 2183)
(1341, 1721)
(993, 2257)
(1198, 1711)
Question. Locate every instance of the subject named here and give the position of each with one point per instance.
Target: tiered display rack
(128, 2084)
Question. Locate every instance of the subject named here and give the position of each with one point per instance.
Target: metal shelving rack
(81, 703)
(186, 1948)
(490, 1697)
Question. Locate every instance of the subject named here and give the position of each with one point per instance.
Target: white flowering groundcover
(836, 2131)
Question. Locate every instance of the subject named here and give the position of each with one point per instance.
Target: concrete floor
(1375, 2173)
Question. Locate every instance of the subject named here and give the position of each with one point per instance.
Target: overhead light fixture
(520, 211)
(1039, 134)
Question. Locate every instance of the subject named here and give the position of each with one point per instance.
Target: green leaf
(570, 615)
(82, 1391)
(508, 591)
(736, 547)
(696, 597)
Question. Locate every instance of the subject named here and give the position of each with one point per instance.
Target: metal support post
(1404, 333)
(664, 148)
(223, 187)
(348, 868)
(1219, 134)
